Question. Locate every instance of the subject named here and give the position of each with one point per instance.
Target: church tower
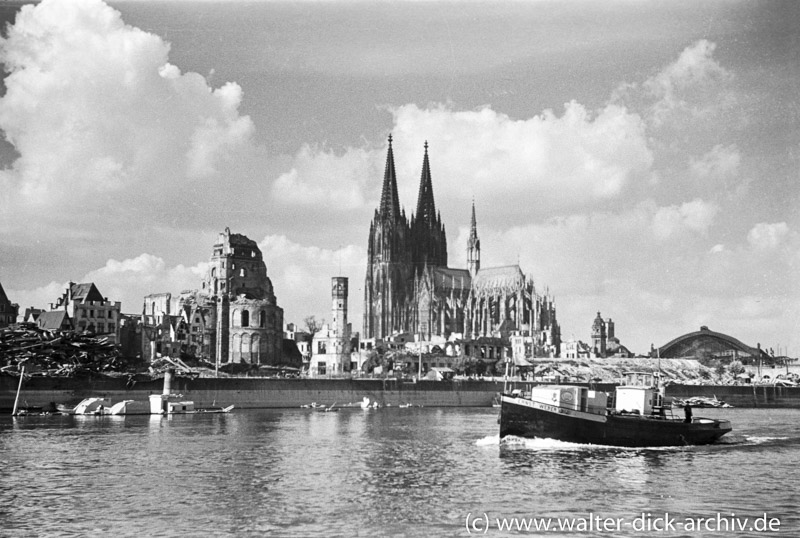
(599, 336)
(428, 238)
(473, 247)
(386, 285)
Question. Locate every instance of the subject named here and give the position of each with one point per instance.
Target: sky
(636, 158)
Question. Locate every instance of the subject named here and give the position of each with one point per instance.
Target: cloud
(689, 93)
(322, 178)
(766, 236)
(94, 108)
(695, 216)
(130, 280)
(569, 160)
(719, 163)
(301, 276)
(690, 85)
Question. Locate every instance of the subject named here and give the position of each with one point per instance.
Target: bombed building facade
(409, 287)
(233, 317)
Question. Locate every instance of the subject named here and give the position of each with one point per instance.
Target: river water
(385, 472)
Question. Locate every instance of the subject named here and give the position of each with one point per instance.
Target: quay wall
(740, 395)
(254, 393)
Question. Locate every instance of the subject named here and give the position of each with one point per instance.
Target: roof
(3, 296)
(499, 279)
(85, 292)
(690, 343)
(451, 279)
(54, 320)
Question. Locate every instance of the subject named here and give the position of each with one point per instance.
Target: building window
(242, 272)
(252, 253)
(111, 327)
(262, 319)
(322, 368)
(245, 318)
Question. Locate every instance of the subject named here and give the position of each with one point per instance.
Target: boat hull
(529, 419)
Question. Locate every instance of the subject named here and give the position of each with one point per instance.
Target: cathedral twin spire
(390, 203)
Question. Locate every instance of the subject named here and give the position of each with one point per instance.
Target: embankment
(740, 395)
(253, 393)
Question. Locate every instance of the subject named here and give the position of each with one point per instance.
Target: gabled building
(8, 310)
(57, 320)
(89, 311)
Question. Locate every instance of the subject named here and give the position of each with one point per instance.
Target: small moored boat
(637, 418)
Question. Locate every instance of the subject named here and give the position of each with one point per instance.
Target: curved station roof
(706, 342)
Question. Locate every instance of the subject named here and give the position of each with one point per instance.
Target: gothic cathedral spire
(426, 208)
(429, 241)
(473, 247)
(390, 203)
(386, 285)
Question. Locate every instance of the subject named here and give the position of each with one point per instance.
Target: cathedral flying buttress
(410, 289)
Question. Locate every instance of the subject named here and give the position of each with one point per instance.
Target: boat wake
(755, 440)
(544, 444)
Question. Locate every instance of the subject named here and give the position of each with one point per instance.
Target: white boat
(130, 407)
(93, 406)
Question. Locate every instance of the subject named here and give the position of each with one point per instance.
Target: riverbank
(263, 393)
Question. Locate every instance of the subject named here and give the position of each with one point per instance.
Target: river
(385, 472)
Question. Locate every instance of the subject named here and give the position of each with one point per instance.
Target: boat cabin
(571, 397)
(640, 393)
(167, 404)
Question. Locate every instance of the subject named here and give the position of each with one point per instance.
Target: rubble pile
(59, 353)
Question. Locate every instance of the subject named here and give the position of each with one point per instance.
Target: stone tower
(245, 319)
(389, 264)
(473, 247)
(599, 336)
(339, 304)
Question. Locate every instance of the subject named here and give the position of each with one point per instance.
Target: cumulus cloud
(571, 159)
(301, 275)
(93, 106)
(322, 178)
(691, 89)
(720, 162)
(695, 216)
(130, 280)
(765, 236)
(127, 281)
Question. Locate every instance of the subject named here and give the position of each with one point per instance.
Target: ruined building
(234, 317)
(409, 287)
(8, 310)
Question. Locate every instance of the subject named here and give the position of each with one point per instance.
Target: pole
(19, 388)
(419, 357)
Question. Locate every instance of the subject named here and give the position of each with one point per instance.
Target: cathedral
(410, 289)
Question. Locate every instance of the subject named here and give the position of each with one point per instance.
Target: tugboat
(637, 416)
